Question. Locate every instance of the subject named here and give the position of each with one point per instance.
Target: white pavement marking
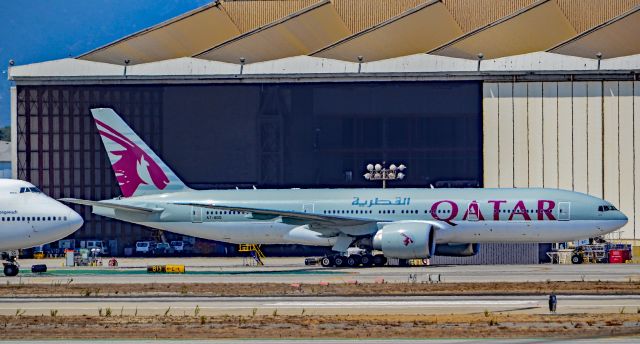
(375, 304)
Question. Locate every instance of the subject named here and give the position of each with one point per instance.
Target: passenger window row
(347, 211)
(226, 212)
(32, 218)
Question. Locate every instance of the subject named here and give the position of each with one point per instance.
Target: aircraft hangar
(486, 93)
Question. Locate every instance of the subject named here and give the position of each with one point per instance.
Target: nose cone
(623, 218)
(75, 221)
(616, 220)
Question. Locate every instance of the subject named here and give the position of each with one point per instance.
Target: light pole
(380, 172)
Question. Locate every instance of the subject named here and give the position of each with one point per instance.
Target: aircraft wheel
(11, 270)
(340, 260)
(576, 259)
(366, 260)
(379, 260)
(353, 260)
(326, 262)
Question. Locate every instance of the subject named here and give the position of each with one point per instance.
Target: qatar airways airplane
(30, 218)
(401, 223)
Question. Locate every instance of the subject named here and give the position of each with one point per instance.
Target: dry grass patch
(337, 326)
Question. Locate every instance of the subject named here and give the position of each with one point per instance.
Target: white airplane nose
(75, 221)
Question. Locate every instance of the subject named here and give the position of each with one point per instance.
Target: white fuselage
(460, 215)
(30, 218)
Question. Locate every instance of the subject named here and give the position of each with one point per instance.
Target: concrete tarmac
(330, 305)
(292, 270)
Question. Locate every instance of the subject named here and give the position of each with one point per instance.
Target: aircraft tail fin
(138, 169)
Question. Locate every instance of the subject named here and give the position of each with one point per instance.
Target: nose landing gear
(11, 266)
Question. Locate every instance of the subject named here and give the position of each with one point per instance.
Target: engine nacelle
(457, 250)
(406, 240)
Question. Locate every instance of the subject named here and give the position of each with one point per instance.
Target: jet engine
(457, 250)
(406, 240)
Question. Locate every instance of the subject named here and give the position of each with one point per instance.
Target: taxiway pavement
(292, 270)
(330, 305)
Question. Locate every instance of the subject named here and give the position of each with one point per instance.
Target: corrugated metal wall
(359, 15)
(585, 14)
(249, 15)
(579, 136)
(472, 14)
(496, 253)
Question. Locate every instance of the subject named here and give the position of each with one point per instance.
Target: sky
(41, 30)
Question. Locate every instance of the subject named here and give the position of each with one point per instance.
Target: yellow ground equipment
(255, 252)
(168, 269)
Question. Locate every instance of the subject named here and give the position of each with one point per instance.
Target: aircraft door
(307, 208)
(196, 214)
(564, 211)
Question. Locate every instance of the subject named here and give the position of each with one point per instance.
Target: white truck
(144, 247)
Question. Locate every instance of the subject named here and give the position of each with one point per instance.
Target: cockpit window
(606, 208)
(29, 189)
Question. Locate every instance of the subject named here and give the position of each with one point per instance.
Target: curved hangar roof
(349, 30)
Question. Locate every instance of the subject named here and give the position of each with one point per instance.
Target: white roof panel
(630, 62)
(420, 63)
(538, 61)
(301, 65)
(66, 67)
(184, 66)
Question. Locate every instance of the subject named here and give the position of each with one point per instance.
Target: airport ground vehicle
(98, 246)
(601, 253)
(401, 223)
(162, 248)
(178, 246)
(144, 247)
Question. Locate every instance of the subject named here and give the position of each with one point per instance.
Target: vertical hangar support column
(565, 135)
(550, 134)
(14, 132)
(535, 148)
(505, 139)
(636, 159)
(490, 132)
(625, 148)
(579, 136)
(520, 136)
(594, 139)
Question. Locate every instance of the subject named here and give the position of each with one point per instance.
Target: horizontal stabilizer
(111, 205)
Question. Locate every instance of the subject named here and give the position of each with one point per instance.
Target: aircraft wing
(326, 224)
(111, 205)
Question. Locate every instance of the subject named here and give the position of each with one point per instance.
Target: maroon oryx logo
(407, 239)
(131, 158)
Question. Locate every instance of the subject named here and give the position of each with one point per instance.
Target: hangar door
(324, 134)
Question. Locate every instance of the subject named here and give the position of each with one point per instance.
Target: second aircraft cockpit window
(29, 189)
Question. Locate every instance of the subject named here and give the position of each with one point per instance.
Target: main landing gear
(353, 260)
(11, 266)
